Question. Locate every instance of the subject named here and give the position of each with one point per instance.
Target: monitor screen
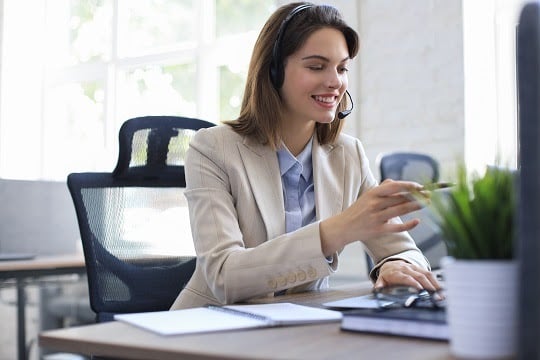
(38, 218)
(528, 244)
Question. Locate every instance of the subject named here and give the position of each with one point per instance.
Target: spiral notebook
(231, 317)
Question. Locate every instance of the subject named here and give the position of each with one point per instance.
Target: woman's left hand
(400, 272)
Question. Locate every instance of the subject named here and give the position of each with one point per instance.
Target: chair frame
(156, 174)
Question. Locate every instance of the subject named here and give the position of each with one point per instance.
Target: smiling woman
(286, 190)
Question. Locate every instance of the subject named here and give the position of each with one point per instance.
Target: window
(491, 132)
(74, 70)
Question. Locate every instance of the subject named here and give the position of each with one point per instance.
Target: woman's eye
(340, 70)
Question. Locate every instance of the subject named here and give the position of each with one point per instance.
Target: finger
(418, 198)
(400, 227)
(433, 281)
(404, 273)
(425, 281)
(398, 210)
(400, 278)
(380, 283)
(389, 187)
(396, 198)
(425, 278)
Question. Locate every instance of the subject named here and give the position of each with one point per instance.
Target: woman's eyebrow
(323, 58)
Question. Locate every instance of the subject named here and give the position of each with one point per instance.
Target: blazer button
(312, 273)
(272, 283)
(282, 281)
(291, 278)
(301, 275)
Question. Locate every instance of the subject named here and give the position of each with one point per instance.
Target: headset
(277, 72)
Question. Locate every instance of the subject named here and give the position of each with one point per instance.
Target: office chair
(423, 169)
(134, 223)
(411, 166)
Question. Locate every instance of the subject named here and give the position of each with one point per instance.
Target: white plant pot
(481, 307)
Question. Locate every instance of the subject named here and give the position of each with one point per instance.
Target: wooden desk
(318, 341)
(23, 271)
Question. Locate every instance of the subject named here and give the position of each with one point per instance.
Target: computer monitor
(36, 218)
(528, 244)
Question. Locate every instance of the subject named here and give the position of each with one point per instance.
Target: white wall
(410, 76)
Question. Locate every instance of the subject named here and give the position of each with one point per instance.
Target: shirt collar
(287, 160)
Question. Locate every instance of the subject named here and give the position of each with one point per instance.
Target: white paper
(289, 313)
(186, 321)
(208, 319)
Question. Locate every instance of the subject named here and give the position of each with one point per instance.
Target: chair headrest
(154, 147)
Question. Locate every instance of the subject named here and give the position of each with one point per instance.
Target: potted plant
(477, 221)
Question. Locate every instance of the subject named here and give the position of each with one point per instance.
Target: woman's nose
(334, 80)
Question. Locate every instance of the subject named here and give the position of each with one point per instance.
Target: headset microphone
(344, 113)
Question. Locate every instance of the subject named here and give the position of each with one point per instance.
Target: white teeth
(324, 99)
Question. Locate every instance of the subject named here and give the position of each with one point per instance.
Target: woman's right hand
(368, 217)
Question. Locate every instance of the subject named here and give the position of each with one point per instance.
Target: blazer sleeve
(394, 246)
(235, 255)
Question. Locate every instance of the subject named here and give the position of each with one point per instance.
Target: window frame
(202, 54)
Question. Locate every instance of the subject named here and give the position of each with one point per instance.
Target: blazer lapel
(328, 178)
(262, 168)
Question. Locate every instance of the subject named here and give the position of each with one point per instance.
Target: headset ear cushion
(276, 75)
(273, 74)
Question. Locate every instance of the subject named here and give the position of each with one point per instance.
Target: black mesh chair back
(411, 166)
(134, 222)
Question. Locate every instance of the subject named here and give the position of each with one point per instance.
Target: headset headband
(277, 74)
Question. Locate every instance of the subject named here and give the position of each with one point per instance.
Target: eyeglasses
(408, 296)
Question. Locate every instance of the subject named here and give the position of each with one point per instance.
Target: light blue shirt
(298, 188)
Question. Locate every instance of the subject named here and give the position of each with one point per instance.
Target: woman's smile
(326, 101)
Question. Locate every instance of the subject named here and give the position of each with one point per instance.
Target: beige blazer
(237, 218)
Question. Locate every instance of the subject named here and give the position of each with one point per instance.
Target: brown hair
(261, 111)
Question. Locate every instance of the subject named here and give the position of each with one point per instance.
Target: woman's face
(316, 78)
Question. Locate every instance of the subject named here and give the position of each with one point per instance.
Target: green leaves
(477, 216)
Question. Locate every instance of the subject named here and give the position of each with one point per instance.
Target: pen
(437, 185)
